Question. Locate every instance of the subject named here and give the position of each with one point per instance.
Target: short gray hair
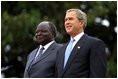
(80, 15)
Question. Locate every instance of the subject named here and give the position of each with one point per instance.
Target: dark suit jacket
(45, 66)
(87, 59)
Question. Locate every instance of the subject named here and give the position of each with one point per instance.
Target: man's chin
(69, 32)
(40, 41)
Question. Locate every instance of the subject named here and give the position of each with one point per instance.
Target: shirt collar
(77, 37)
(47, 45)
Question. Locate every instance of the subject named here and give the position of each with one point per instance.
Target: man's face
(73, 26)
(43, 34)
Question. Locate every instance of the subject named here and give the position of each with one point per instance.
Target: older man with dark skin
(83, 56)
(41, 61)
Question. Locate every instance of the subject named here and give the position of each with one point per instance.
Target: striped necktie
(39, 54)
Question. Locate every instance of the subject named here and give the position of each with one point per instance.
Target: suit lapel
(31, 58)
(61, 61)
(75, 50)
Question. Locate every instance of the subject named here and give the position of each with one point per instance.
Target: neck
(73, 35)
(46, 42)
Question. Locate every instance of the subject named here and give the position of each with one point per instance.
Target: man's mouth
(40, 37)
(68, 27)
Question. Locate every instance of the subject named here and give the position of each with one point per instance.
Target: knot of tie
(41, 51)
(42, 48)
(72, 40)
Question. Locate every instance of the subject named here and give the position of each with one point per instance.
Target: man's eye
(43, 31)
(70, 18)
(65, 19)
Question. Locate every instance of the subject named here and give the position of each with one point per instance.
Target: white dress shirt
(77, 38)
(45, 48)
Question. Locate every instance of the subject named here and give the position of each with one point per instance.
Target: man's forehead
(43, 26)
(70, 14)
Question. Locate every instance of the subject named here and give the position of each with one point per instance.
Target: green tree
(20, 18)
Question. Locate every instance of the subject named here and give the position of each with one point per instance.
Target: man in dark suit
(41, 61)
(83, 56)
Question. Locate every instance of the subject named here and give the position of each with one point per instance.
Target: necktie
(68, 51)
(39, 54)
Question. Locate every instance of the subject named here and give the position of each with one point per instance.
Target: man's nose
(67, 22)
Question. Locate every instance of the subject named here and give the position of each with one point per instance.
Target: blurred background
(19, 20)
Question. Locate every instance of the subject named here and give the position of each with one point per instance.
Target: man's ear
(52, 36)
(82, 23)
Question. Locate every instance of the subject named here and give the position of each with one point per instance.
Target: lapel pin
(78, 47)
